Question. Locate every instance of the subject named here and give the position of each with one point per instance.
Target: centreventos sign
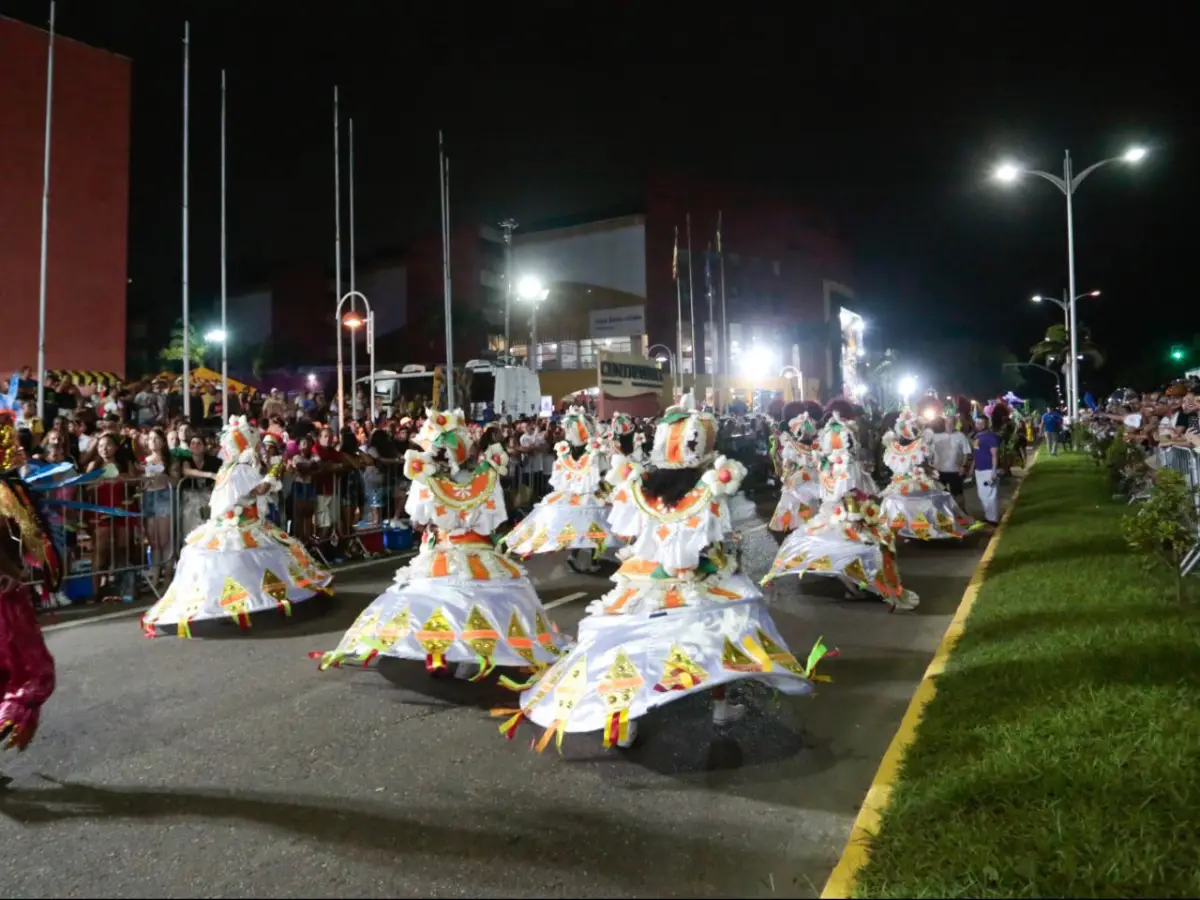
(629, 377)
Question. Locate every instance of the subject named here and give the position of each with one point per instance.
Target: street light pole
(352, 295)
(1067, 305)
(224, 324)
(509, 226)
(1068, 184)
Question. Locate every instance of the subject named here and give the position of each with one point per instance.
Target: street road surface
(233, 768)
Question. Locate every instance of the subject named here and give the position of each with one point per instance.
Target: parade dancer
(459, 601)
(682, 619)
(237, 564)
(625, 439)
(574, 517)
(848, 539)
(914, 504)
(32, 542)
(800, 497)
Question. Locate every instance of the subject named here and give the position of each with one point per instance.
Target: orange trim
(478, 570)
(675, 432)
(440, 567)
(470, 537)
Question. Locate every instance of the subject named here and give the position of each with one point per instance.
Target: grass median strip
(1060, 755)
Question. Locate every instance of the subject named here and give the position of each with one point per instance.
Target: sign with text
(625, 321)
(628, 376)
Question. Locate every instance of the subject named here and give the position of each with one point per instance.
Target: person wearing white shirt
(950, 452)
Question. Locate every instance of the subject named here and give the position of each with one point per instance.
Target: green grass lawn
(1060, 756)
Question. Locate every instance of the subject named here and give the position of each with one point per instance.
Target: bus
(511, 390)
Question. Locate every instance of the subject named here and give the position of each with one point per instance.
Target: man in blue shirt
(1052, 423)
(985, 453)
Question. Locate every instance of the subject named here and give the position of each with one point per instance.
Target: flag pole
(224, 292)
(41, 383)
(337, 256)
(726, 360)
(187, 343)
(710, 327)
(692, 302)
(676, 376)
(444, 173)
(353, 297)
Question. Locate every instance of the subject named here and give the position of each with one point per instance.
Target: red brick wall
(89, 202)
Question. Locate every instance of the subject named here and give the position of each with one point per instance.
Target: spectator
(986, 456)
(1052, 423)
(951, 454)
(159, 469)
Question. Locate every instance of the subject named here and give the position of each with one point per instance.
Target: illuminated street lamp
(530, 290)
(1068, 183)
(352, 320)
(1065, 305)
(220, 336)
(907, 387)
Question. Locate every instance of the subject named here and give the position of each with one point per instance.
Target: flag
(675, 257)
(718, 231)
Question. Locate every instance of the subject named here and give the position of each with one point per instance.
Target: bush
(1125, 462)
(1164, 528)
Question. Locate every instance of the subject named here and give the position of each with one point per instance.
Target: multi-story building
(86, 276)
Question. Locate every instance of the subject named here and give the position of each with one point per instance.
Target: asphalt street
(233, 768)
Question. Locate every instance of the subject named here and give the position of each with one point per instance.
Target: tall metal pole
(509, 226)
(41, 377)
(224, 292)
(676, 373)
(353, 299)
(1073, 386)
(1066, 308)
(692, 301)
(724, 321)
(337, 254)
(711, 325)
(444, 175)
(187, 346)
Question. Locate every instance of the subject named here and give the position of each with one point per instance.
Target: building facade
(86, 274)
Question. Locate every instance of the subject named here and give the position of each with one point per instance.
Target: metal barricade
(107, 556)
(1186, 461)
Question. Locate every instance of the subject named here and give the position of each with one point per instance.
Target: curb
(844, 877)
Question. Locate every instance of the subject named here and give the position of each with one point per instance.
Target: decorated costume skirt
(230, 572)
(928, 516)
(563, 521)
(826, 550)
(455, 603)
(624, 666)
(798, 502)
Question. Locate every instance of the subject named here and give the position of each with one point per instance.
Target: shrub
(1164, 528)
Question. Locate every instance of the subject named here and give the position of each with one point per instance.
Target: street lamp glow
(1038, 298)
(1134, 154)
(529, 288)
(758, 365)
(1007, 172)
(353, 320)
(216, 336)
(907, 386)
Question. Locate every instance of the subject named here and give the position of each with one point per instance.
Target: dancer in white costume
(800, 497)
(574, 516)
(914, 504)
(848, 539)
(681, 619)
(459, 600)
(237, 563)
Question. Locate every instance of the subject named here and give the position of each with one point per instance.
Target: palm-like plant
(1055, 347)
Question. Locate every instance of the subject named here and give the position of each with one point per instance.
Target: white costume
(681, 618)
(237, 563)
(575, 515)
(914, 504)
(800, 497)
(459, 600)
(848, 539)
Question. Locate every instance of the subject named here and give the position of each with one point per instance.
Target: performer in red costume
(26, 666)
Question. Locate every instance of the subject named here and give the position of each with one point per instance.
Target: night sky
(889, 122)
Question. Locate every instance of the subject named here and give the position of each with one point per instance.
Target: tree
(1055, 347)
(197, 348)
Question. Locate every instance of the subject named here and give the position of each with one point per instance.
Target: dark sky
(888, 120)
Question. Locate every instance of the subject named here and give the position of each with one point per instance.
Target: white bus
(511, 390)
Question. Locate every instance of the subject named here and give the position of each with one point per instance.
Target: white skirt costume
(459, 600)
(848, 539)
(575, 515)
(237, 563)
(915, 505)
(800, 498)
(681, 619)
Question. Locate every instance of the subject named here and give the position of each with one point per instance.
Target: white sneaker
(726, 713)
(61, 600)
(630, 736)
(907, 600)
(466, 671)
